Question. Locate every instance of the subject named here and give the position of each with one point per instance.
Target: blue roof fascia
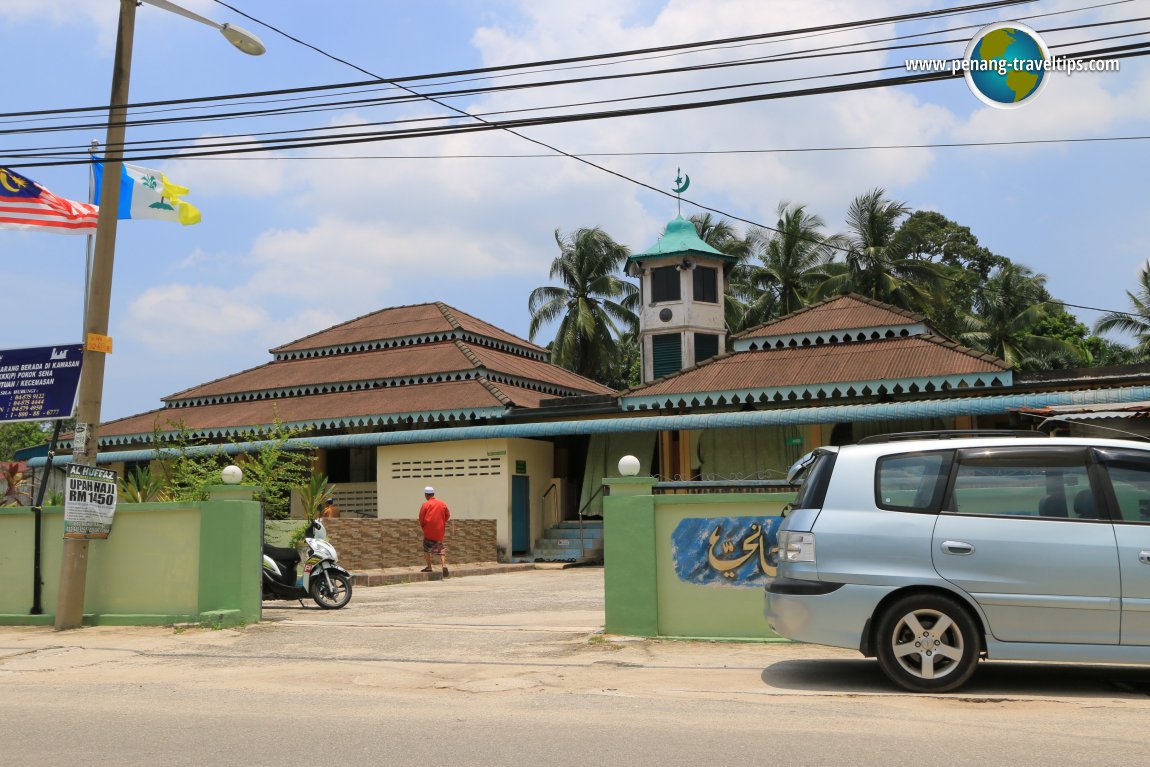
(769, 342)
(428, 416)
(962, 382)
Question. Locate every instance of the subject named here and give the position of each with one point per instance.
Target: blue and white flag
(148, 194)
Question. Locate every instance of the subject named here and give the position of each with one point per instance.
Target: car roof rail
(949, 434)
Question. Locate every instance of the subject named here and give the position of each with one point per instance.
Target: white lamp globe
(628, 466)
(232, 475)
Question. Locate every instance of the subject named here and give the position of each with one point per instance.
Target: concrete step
(588, 533)
(572, 556)
(569, 543)
(587, 524)
(567, 552)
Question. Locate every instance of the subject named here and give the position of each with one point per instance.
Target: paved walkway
(412, 574)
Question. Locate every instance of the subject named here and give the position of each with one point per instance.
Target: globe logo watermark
(1005, 65)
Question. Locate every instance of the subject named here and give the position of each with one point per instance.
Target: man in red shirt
(433, 517)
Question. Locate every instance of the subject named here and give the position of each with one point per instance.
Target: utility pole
(74, 560)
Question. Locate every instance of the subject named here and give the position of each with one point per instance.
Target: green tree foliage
(276, 464)
(1136, 322)
(1009, 306)
(313, 493)
(877, 263)
(787, 264)
(141, 485)
(593, 305)
(18, 435)
(186, 464)
(964, 264)
(722, 236)
(624, 371)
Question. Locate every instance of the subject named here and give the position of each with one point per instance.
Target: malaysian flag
(24, 204)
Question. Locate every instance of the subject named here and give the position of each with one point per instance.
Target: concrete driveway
(480, 663)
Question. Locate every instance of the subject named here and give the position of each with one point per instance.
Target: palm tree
(721, 236)
(792, 260)
(876, 264)
(1008, 307)
(1137, 321)
(593, 306)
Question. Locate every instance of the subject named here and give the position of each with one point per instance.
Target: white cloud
(248, 175)
(203, 318)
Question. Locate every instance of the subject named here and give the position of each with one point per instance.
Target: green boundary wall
(162, 564)
(643, 594)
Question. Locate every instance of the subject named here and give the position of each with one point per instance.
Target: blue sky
(294, 243)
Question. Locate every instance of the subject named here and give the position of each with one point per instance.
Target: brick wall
(370, 544)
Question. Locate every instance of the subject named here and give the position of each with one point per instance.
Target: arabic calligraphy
(752, 544)
(729, 551)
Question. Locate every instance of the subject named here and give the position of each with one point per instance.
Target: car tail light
(796, 547)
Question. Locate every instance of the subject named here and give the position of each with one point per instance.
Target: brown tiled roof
(375, 405)
(535, 370)
(401, 322)
(894, 359)
(849, 312)
(419, 361)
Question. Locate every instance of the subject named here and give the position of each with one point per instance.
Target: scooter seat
(282, 555)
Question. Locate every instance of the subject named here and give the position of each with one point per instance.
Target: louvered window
(667, 354)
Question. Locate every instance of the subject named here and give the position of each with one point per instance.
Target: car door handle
(961, 548)
(1144, 557)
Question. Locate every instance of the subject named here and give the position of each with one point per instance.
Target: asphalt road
(511, 668)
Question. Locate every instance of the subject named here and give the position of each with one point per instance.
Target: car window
(814, 480)
(1020, 482)
(1129, 474)
(911, 481)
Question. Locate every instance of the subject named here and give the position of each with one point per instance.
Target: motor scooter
(322, 578)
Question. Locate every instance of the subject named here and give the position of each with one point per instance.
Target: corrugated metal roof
(840, 313)
(1080, 412)
(892, 359)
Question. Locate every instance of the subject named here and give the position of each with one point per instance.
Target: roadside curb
(392, 575)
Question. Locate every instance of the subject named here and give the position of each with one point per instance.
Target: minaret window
(706, 346)
(665, 284)
(706, 284)
(666, 354)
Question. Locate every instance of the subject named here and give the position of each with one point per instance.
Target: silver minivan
(931, 552)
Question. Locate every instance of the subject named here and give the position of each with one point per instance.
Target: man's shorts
(434, 547)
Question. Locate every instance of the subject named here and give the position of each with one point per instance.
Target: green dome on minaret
(680, 239)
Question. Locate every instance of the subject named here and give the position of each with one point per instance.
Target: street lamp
(74, 560)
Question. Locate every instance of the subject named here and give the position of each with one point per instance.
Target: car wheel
(927, 643)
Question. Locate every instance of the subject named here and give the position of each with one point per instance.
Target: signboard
(39, 384)
(89, 502)
(521, 467)
(793, 441)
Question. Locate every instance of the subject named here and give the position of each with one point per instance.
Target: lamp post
(74, 559)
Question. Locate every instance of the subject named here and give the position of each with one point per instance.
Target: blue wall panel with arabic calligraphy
(725, 551)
